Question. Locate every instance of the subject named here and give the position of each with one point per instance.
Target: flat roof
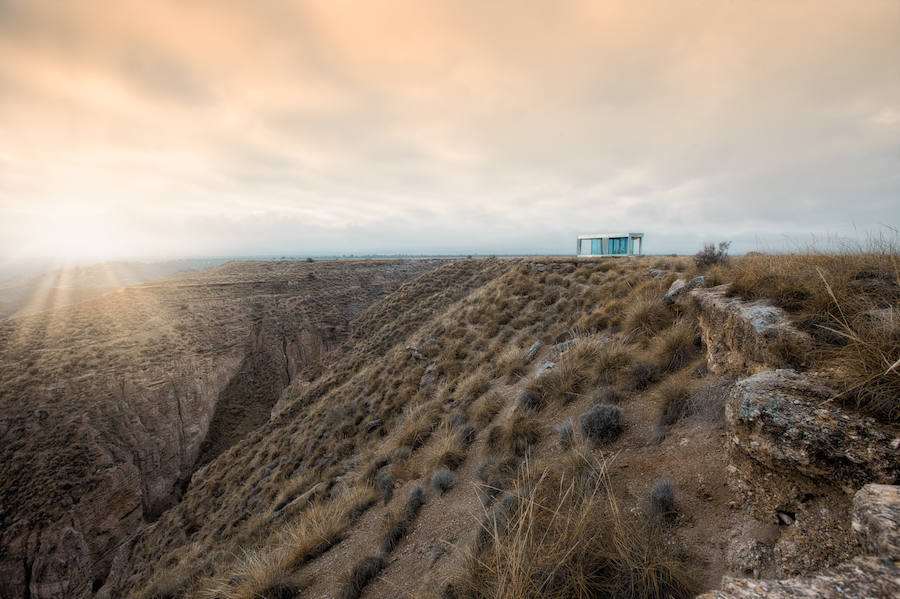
(610, 235)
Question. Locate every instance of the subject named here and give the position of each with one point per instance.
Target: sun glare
(71, 236)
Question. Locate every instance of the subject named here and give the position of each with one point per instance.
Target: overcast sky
(162, 129)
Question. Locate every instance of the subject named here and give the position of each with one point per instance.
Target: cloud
(506, 127)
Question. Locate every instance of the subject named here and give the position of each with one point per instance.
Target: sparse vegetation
(442, 480)
(398, 523)
(712, 255)
(433, 380)
(361, 575)
(566, 431)
(602, 423)
(662, 499)
(566, 536)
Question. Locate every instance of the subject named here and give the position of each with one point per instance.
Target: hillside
(108, 405)
(535, 428)
(446, 453)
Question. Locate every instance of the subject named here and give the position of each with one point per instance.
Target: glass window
(595, 246)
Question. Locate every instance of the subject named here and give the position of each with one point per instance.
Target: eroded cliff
(108, 406)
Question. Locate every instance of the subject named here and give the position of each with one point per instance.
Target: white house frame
(610, 244)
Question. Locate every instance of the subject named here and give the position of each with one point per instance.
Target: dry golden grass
(447, 449)
(511, 363)
(474, 385)
(574, 373)
(848, 302)
(677, 346)
(521, 433)
(486, 407)
(645, 317)
(564, 535)
(267, 571)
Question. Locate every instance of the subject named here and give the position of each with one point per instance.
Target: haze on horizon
(165, 129)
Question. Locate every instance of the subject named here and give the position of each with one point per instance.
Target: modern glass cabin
(610, 244)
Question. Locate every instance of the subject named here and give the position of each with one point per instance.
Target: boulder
(876, 519)
(557, 350)
(533, 350)
(428, 376)
(682, 286)
(545, 367)
(743, 336)
(785, 438)
(861, 578)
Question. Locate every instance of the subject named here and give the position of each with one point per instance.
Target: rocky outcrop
(861, 578)
(743, 336)
(533, 351)
(786, 438)
(796, 459)
(681, 286)
(876, 512)
(876, 519)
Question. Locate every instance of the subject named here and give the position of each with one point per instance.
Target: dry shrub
(567, 536)
(641, 374)
(712, 255)
(602, 423)
(442, 480)
(645, 317)
(661, 501)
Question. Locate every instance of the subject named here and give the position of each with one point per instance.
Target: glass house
(610, 244)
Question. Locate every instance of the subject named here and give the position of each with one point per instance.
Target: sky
(160, 129)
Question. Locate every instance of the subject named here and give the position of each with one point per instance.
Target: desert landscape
(449, 299)
(519, 427)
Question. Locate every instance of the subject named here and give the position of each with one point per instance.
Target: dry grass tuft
(570, 378)
(511, 363)
(611, 362)
(567, 536)
(521, 433)
(486, 407)
(397, 523)
(646, 317)
(447, 449)
(678, 345)
(362, 575)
